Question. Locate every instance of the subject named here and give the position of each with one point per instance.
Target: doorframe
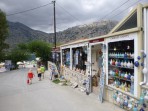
(90, 59)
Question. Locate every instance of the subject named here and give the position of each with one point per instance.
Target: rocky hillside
(86, 31)
(20, 33)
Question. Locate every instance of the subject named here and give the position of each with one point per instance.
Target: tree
(3, 33)
(16, 55)
(23, 46)
(41, 49)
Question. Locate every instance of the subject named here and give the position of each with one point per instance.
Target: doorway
(96, 60)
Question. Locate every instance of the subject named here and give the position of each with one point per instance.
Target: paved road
(16, 95)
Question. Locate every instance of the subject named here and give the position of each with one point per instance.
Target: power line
(119, 13)
(102, 18)
(115, 9)
(68, 12)
(29, 9)
(125, 9)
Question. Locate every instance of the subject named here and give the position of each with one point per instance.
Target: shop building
(116, 62)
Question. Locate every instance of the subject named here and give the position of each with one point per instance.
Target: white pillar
(71, 54)
(61, 56)
(146, 40)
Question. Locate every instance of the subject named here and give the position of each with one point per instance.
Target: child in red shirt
(30, 76)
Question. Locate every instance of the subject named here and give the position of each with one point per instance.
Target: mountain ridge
(20, 33)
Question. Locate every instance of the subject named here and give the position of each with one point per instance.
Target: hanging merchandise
(145, 70)
(53, 56)
(103, 47)
(142, 64)
(136, 63)
(138, 57)
(141, 109)
(100, 59)
(102, 75)
(88, 84)
(76, 56)
(67, 58)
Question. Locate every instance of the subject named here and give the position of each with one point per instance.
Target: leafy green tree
(17, 55)
(3, 33)
(23, 46)
(41, 49)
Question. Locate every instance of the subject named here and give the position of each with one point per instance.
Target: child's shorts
(39, 75)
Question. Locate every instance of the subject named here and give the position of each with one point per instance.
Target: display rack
(121, 65)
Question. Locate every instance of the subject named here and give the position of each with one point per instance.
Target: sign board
(57, 49)
(96, 40)
(122, 37)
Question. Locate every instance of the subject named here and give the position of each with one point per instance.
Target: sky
(69, 13)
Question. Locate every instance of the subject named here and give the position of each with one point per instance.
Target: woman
(30, 76)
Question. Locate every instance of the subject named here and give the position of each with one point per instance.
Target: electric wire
(29, 9)
(68, 13)
(125, 9)
(102, 18)
(118, 13)
(74, 16)
(115, 9)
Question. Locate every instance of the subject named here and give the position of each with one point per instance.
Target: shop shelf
(144, 87)
(121, 67)
(125, 58)
(127, 93)
(120, 78)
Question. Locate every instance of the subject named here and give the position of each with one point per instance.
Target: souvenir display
(121, 65)
(79, 57)
(128, 103)
(68, 58)
(136, 63)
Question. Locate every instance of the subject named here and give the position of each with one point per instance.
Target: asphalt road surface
(16, 95)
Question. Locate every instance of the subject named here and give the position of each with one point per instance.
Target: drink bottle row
(122, 63)
(121, 55)
(124, 86)
(127, 76)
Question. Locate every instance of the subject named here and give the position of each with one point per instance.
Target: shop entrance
(96, 60)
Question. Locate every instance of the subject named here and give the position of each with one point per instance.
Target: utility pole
(54, 29)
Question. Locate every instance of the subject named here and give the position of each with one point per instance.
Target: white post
(71, 58)
(146, 40)
(90, 65)
(144, 71)
(61, 56)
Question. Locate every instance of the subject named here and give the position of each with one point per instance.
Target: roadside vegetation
(22, 51)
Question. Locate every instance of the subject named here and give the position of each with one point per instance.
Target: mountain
(86, 31)
(20, 33)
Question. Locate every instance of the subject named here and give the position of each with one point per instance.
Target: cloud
(68, 12)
